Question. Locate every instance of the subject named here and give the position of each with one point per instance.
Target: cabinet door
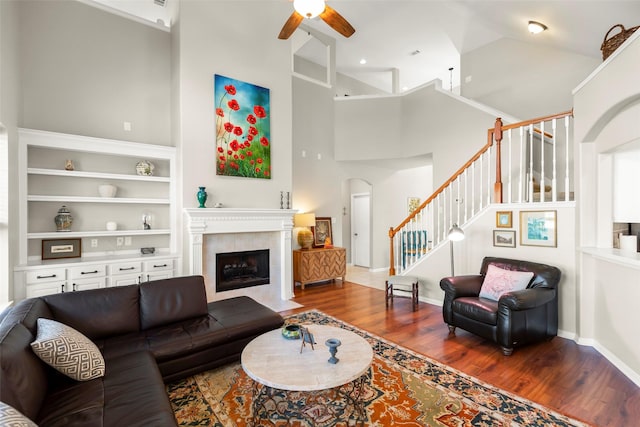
(157, 275)
(124, 280)
(42, 289)
(84, 284)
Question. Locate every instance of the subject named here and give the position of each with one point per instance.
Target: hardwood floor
(561, 375)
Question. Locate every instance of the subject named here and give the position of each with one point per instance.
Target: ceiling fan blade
(290, 26)
(337, 22)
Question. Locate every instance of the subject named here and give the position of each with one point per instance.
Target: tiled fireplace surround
(213, 230)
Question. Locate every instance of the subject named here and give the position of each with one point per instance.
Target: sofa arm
(527, 298)
(462, 286)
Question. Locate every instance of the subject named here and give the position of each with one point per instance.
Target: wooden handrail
(493, 134)
(394, 231)
(538, 120)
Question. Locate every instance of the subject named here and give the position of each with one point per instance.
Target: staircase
(517, 162)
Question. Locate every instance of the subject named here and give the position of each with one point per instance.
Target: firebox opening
(236, 270)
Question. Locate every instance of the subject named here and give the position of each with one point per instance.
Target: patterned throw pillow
(68, 351)
(11, 417)
(499, 281)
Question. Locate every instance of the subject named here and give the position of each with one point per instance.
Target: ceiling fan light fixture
(309, 8)
(536, 27)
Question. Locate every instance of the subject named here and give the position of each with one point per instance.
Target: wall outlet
(94, 243)
(119, 241)
(127, 241)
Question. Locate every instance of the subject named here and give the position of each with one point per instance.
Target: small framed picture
(538, 228)
(504, 238)
(321, 231)
(504, 219)
(61, 248)
(412, 204)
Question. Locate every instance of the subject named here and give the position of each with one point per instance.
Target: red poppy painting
(242, 128)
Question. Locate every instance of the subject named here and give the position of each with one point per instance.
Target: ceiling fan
(310, 9)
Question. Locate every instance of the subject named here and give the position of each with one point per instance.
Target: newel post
(497, 187)
(392, 267)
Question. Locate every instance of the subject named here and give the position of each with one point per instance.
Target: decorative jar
(291, 332)
(64, 219)
(145, 168)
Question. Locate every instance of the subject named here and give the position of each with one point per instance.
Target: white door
(360, 229)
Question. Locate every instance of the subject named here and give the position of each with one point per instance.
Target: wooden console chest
(317, 265)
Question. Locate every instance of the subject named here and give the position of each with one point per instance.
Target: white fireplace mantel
(201, 221)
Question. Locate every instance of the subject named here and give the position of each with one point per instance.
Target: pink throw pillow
(499, 281)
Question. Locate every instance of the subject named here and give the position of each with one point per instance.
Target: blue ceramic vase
(202, 197)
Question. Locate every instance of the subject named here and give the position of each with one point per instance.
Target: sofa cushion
(499, 281)
(68, 351)
(172, 300)
(480, 309)
(23, 376)
(243, 316)
(12, 418)
(98, 313)
(130, 394)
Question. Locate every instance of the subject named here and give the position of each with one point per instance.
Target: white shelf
(97, 175)
(73, 234)
(42, 179)
(82, 199)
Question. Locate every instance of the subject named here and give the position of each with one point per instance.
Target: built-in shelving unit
(45, 185)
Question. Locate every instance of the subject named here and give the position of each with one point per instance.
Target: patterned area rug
(403, 388)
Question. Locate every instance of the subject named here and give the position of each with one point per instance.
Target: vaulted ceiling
(422, 39)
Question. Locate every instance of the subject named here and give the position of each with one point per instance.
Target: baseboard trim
(623, 367)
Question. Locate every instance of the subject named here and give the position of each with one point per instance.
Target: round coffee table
(278, 364)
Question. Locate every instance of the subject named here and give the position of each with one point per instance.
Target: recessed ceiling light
(363, 61)
(536, 27)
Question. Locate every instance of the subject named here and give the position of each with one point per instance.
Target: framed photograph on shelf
(504, 219)
(321, 231)
(538, 228)
(61, 248)
(504, 238)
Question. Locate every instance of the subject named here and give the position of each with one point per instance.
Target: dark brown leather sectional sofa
(148, 334)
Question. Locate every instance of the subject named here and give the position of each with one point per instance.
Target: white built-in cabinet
(109, 257)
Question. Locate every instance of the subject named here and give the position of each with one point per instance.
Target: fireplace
(219, 230)
(237, 270)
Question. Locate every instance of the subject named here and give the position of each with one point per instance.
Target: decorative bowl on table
(291, 332)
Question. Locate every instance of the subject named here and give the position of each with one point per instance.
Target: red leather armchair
(517, 318)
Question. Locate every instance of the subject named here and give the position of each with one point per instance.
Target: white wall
(423, 121)
(211, 45)
(607, 111)
(478, 243)
(9, 117)
(318, 185)
(85, 71)
(526, 79)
